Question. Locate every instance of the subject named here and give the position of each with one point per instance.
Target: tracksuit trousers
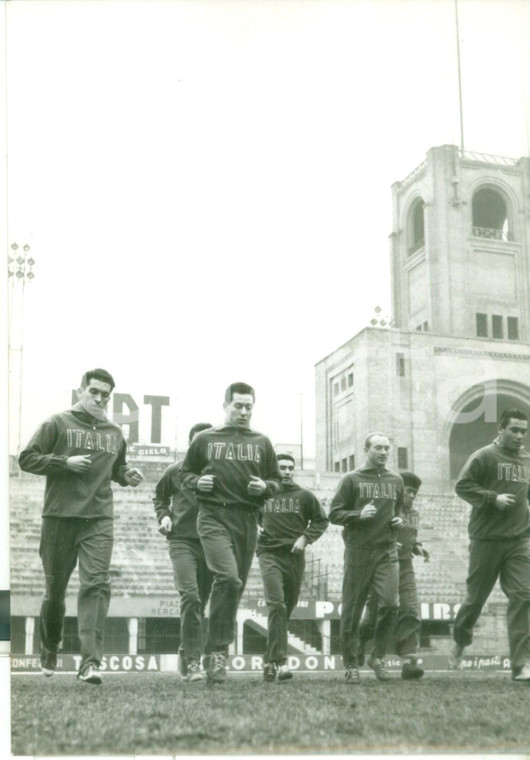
(282, 574)
(408, 622)
(509, 561)
(228, 536)
(368, 568)
(64, 541)
(193, 581)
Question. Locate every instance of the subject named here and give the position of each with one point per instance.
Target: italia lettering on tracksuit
(73, 433)
(488, 472)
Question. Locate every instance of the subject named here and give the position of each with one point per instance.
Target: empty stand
(141, 565)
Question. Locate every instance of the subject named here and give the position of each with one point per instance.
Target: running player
(367, 503)
(79, 451)
(291, 520)
(408, 624)
(232, 469)
(176, 511)
(496, 482)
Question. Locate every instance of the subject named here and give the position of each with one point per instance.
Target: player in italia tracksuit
(368, 503)
(176, 510)
(408, 622)
(232, 470)
(291, 520)
(80, 451)
(496, 482)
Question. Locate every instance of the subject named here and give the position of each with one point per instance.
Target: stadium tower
(455, 355)
(458, 349)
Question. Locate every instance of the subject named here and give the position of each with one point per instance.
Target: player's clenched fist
(79, 463)
(368, 511)
(256, 486)
(133, 477)
(205, 483)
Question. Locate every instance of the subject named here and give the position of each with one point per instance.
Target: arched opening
(490, 216)
(416, 227)
(476, 424)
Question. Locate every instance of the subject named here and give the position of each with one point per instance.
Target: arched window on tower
(416, 227)
(490, 217)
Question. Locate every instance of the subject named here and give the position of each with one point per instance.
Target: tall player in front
(232, 469)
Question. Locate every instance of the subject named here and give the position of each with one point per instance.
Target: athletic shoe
(48, 663)
(523, 674)
(194, 671)
(284, 674)
(352, 675)
(378, 666)
(90, 674)
(217, 670)
(456, 655)
(410, 671)
(182, 664)
(269, 671)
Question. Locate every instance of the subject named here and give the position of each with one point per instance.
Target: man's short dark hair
(511, 414)
(410, 479)
(238, 388)
(97, 374)
(198, 428)
(286, 456)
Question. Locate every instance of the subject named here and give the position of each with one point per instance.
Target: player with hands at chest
(232, 470)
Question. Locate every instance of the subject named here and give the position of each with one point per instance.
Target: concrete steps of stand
(296, 643)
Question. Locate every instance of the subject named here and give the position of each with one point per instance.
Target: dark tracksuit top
(72, 433)
(292, 513)
(232, 455)
(355, 491)
(407, 535)
(176, 502)
(488, 472)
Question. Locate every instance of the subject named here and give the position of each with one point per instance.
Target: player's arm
(191, 475)
(122, 473)
(316, 517)
(272, 477)
(38, 457)
(164, 489)
(345, 508)
(397, 520)
(468, 485)
(419, 550)
(267, 483)
(260, 513)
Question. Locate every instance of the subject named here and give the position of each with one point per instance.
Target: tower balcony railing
(414, 174)
(487, 158)
(492, 234)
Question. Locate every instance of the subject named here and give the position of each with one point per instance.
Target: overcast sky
(205, 186)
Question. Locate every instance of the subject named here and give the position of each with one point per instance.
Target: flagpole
(459, 79)
(301, 435)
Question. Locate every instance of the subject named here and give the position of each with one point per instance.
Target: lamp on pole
(20, 270)
(301, 433)
(379, 320)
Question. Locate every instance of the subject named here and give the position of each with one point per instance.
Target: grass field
(149, 714)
